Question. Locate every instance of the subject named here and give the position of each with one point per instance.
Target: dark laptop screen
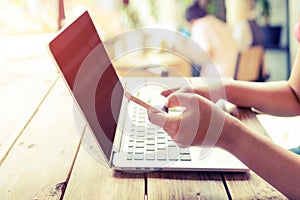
(87, 69)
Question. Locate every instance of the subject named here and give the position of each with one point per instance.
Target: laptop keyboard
(150, 142)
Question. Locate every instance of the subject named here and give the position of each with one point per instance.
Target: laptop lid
(88, 72)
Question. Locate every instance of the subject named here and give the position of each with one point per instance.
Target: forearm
(276, 98)
(277, 166)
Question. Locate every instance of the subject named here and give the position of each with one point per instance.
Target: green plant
(211, 7)
(153, 11)
(130, 16)
(265, 11)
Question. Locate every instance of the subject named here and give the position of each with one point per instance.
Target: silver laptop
(127, 140)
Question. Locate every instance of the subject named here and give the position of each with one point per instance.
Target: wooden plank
(92, 178)
(39, 162)
(185, 185)
(20, 96)
(26, 75)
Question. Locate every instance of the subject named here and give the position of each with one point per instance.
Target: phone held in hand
(144, 104)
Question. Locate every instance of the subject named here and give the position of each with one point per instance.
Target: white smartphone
(144, 104)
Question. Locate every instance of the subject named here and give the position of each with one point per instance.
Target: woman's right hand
(202, 91)
(213, 92)
(200, 123)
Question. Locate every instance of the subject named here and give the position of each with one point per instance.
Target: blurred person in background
(215, 37)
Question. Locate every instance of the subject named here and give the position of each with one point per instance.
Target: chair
(250, 65)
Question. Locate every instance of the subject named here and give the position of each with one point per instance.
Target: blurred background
(26, 24)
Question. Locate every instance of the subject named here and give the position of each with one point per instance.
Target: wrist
(231, 132)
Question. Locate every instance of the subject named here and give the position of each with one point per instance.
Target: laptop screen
(88, 71)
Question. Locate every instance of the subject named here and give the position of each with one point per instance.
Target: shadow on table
(213, 176)
(242, 176)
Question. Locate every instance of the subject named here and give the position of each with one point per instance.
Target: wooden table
(41, 156)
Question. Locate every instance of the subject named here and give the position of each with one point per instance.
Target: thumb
(157, 117)
(168, 122)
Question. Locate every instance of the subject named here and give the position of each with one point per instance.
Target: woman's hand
(202, 91)
(212, 91)
(200, 123)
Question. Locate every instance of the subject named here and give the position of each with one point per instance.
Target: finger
(167, 122)
(183, 100)
(156, 117)
(168, 92)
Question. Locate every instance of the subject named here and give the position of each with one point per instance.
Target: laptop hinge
(111, 164)
(117, 144)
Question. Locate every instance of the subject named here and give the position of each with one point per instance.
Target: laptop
(121, 130)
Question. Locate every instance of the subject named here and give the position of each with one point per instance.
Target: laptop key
(140, 135)
(172, 144)
(173, 153)
(161, 155)
(161, 135)
(129, 156)
(185, 158)
(150, 132)
(150, 142)
(138, 156)
(132, 130)
(151, 128)
(139, 145)
(161, 146)
(139, 150)
(150, 148)
(150, 156)
(150, 138)
(141, 129)
(130, 150)
(133, 125)
(130, 144)
(184, 151)
(140, 140)
(161, 141)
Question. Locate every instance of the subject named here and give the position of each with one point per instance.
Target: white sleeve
(200, 34)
